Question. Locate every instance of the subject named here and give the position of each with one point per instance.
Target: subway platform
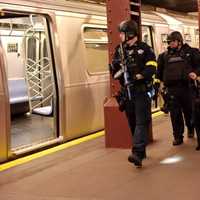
(89, 171)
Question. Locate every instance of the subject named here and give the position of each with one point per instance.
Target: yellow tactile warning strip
(55, 149)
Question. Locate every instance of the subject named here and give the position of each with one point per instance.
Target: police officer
(135, 79)
(176, 67)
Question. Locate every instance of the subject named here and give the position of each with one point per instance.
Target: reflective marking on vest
(175, 59)
(153, 63)
(155, 80)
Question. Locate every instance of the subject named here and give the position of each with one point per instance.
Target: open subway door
(28, 87)
(4, 107)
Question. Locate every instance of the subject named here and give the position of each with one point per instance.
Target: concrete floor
(89, 171)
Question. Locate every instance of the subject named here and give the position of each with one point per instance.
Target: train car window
(147, 35)
(96, 49)
(164, 38)
(45, 51)
(164, 41)
(187, 38)
(31, 50)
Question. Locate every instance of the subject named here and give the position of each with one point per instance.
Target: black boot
(198, 143)
(198, 147)
(135, 159)
(143, 154)
(190, 132)
(178, 141)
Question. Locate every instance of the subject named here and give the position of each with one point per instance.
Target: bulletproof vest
(133, 64)
(175, 68)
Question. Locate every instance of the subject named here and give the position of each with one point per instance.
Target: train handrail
(37, 74)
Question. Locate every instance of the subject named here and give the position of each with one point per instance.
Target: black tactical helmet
(130, 28)
(175, 35)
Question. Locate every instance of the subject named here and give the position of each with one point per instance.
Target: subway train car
(53, 68)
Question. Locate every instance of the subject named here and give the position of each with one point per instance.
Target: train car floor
(28, 130)
(89, 171)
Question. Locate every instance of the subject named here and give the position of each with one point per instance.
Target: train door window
(96, 44)
(31, 80)
(31, 50)
(147, 35)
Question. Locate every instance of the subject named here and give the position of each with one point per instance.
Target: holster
(121, 98)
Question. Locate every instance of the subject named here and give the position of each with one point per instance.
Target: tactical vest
(176, 69)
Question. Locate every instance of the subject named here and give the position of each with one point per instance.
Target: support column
(116, 125)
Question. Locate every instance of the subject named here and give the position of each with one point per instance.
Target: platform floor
(89, 171)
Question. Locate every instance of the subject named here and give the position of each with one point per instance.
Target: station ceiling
(177, 5)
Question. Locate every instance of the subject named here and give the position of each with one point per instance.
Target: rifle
(126, 74)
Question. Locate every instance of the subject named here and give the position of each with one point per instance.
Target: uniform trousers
(138, 112)
(180, 107)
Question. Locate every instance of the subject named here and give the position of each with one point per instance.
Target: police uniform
(139, 59)
(174, 67)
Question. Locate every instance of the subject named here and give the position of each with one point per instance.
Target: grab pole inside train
(117, 133)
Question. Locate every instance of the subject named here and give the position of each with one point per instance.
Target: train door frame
(5, 110)
(6, 152)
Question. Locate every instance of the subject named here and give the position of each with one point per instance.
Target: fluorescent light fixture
(169, 19)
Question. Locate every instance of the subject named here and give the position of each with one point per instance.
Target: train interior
(30, 79)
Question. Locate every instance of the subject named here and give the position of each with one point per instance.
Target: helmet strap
(127, 37)
(131, 41)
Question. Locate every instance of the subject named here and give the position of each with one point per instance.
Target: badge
(140, 51)
(187, 54)
(130, 52)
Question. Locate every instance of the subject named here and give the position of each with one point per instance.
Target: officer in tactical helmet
(134, 64)
(176, 68)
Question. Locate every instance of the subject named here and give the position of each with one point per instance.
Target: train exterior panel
(85, 92)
